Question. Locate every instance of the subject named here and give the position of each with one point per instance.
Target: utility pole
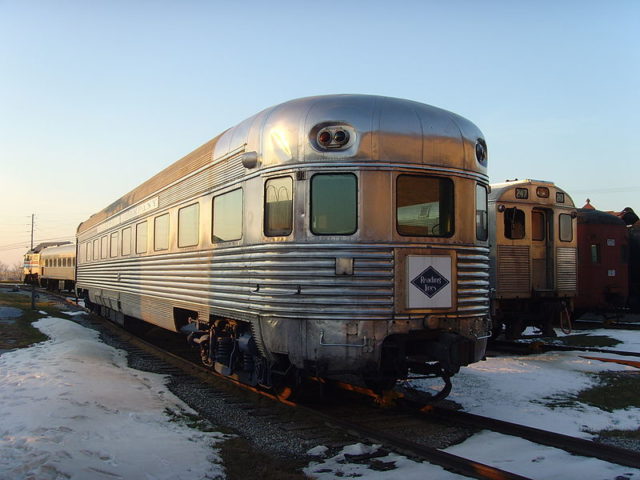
(33, 285)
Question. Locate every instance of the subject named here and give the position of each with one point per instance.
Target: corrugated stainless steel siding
(210, 178)
(514, 271)
(473, 282)
(281, 280)
(566, 269)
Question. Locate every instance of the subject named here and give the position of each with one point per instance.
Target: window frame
(282, 233)
(104, 247)
(561, 230)
(166, 237)
(197, 225)
(122, 242)
(215, 239)
(515, 211)
(441, 180)
(146, 236)
(545, 233)
(484, 237)
(356, 198)
(114, 244)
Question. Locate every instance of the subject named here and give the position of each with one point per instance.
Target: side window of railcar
(96, 249)
(188, 222)
(566, 227)
(104, 245)
(141, 237)
(161, 232)
(514, 223)
(278, 206)
(227, 216)
(482, 222)
(334, 204)
(114, 245)
(424, 206)
(126, 241)
(538, 226)
(87, 247)
(595, 253)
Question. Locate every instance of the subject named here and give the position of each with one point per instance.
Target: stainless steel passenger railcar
(533, 255)
(340, 236)
(32, 266)
(58, 267)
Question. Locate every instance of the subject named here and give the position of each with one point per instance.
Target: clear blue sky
(97, 96)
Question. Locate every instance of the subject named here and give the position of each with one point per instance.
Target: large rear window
(424, 206)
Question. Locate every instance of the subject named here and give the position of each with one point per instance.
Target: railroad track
(355, 421)
(530, 348)
(611, 324)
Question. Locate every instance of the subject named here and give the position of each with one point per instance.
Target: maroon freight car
(603, 261)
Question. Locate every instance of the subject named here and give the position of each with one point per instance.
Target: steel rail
(541, 347)
(435, 456)
(614, 325)
(568, 443)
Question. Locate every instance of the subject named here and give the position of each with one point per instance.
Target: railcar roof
(498, 190)
(590, 216)
(41, 246)
(64, 250)
(385, 129)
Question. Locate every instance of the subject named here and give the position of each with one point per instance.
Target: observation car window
(514, 223)
(188, 225)
(103, 246)
(482, 223)
(566, 227)
(114, 244)
(227, 216)
(595, 253)
(126, 241)
(141, 237)
(334, 204)
(88, 250)
(278, 206)
(161, 232)
(424, 206)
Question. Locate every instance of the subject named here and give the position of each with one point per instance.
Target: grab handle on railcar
(357, 345)
(258, 292)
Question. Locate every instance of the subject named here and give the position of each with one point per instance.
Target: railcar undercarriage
(229, 347)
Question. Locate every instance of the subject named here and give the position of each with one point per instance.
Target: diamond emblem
(430, 282)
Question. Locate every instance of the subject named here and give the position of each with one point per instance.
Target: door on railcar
(542, 249)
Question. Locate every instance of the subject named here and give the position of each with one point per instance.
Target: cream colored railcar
(533, 255)
(58, 267)
(339, 236)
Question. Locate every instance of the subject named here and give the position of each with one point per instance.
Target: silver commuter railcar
(58, 267)
(340, 236)
(533, 255)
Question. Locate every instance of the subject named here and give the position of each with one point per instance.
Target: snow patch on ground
(71, 408)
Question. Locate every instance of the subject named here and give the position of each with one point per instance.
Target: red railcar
(603, 261)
